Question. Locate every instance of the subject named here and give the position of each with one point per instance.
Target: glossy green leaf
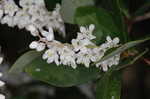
(69, 8)
(109, 86)
(23, 60)
(123, 48)
(101, 18)
(61, 76)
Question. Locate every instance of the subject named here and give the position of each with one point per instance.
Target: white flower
(87, 32)
(1, 60)
(109, 62)
(67, 57)
(10, 7)
(37, 45)
(52, 56)
(2, 83)
(80, 44)
(2, 96)
(32, 30)
(40, 47)
(48, 35)
(8, 19)
(33, 45)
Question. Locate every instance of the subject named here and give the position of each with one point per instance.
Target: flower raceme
(34, 17)
(81, 50)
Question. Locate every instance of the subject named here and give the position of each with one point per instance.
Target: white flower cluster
(1, 82)
(34, 17)
(81, 50)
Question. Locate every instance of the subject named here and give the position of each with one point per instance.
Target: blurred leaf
(101, 18)
(22, 61)
(61, 76)
(109, 86)
(69, 8)
(123, 48)
(51, 4)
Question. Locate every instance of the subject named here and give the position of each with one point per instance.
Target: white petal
(82, 29)
(2, 96)
(116, 40)
(2, 83)
(44, 33)
(91, 27)
(40, 47)
(1, 60)
(108, 38)
(33, 45)
(50, 30)
(32, 29)
(50, 60)
(50, 37)
(1, 74)
(104, 67)
(45, 56)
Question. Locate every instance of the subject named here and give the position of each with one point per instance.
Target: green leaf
(69, 8)
(109, 86)
(22, 61)
(101, 18)
(61, 76)
(123, 48)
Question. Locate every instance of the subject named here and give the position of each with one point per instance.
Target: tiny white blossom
(52, 56)
(7, 19)
(10, 7)
(1, 60)
(2, 96)
(32, 30)
(2, 83)
(33, 45)
(48, 35)
(67, 57)
(40, 47)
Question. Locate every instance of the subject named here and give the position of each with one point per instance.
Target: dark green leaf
(109, 86)
(62, 76)
(69, 8)
(22, 61)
